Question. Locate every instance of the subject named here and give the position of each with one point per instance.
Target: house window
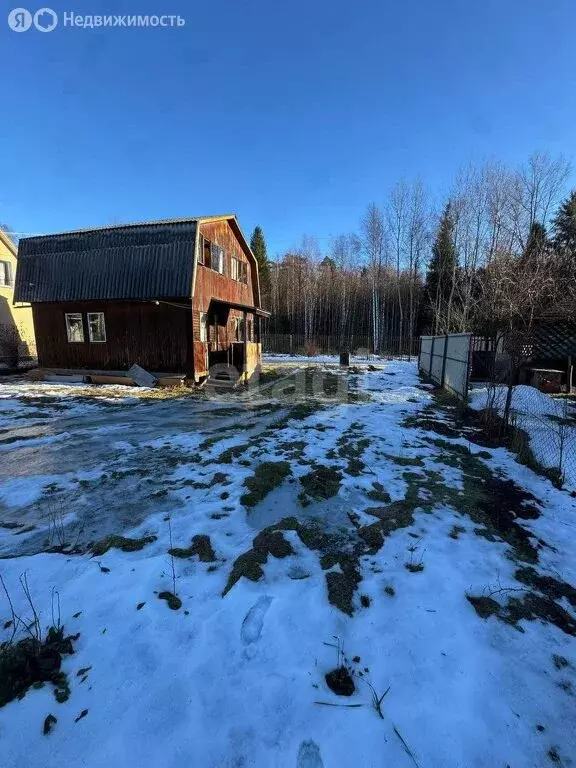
(96, 326)
(217, 258)
(74, 327)
(239, 271)
(6, 274)
(201, 249)
(239, 334)
(250, 330)
(203, 326)
(206, 252)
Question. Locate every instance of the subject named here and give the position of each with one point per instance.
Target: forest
(497, 253)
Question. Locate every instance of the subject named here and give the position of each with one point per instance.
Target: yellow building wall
(13, 320)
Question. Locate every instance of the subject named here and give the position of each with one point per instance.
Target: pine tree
(537, 244)
(258, 247)
(441, 273)
(564, 226)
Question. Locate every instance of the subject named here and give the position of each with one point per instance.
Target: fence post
(431, 356)
(468, 367)
(444, 360)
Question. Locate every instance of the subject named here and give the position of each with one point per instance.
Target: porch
(231, 350)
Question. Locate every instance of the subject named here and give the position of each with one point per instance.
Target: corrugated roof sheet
(143, 261)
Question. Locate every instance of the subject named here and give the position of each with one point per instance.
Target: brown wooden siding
(157, 337)
(210, 284)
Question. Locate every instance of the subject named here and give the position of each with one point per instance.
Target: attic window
(74, 327)
(217, 258)
(206, 249)
(239, 271)
(201, 250)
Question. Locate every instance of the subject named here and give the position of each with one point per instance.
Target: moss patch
(31, 662)
(373, 537)
(200, 546)
(298, 412)
(341, 586)
(220, 478)
(174, 602)
(484, 606)
(379, 494)
(269, 541)
(551, 587)
(122, 543)
(321, 483)
(404, 461)
(530, 607)
(266, 477)
(49, 722)
(235, 452)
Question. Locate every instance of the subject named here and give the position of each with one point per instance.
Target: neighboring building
(178, 296)
(544, 355)
(16, 327)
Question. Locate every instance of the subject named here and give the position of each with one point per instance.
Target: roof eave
(8, 242)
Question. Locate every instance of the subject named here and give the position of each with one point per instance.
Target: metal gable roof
(135, 261)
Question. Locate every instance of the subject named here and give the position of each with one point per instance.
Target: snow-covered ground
(387, 545)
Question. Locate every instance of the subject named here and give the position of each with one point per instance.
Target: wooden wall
(157, 337)
(210, 284)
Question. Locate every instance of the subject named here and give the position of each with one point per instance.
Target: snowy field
(329, 510)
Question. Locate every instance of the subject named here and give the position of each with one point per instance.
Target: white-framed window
(217, 258)
(239, 271)
(6, 275)
(74, 327)
(201, 249)
(96, 327)
(203, 326)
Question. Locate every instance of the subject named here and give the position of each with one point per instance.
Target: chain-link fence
(542, 429)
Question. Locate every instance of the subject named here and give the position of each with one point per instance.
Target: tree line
(497, 253)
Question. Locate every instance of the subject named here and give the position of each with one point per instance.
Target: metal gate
(446, 361)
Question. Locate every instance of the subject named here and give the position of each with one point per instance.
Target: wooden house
(176, 297)
(16, 327)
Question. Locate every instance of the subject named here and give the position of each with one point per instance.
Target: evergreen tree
(537, 244)
(439, 286)
(258, 247)
(564, 226)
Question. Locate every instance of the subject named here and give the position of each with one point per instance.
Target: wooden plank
(104, 379)
(65, 378)
(170, 382)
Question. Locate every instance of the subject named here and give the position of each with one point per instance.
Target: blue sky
(293, 115)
